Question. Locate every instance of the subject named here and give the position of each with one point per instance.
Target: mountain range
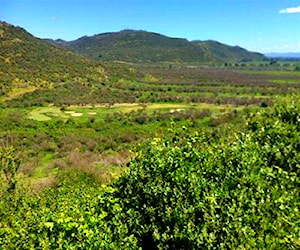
(142, 46)
(28, 61)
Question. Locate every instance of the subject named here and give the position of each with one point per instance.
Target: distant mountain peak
(139, 45)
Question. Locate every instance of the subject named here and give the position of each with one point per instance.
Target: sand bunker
(76, 114)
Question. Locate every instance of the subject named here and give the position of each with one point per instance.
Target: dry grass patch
(103, 167)
(42, 183)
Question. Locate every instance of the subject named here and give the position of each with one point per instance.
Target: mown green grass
(46, 113)
(100, 112)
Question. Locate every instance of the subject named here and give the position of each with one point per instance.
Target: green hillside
(29, 62)
(227, 53)
(142, 46)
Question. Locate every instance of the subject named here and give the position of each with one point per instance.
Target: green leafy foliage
(188, 190)
(191, 191)
(273, 134)
(9, 165)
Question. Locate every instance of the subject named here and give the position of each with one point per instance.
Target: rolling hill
(30, 62)
(142, 46)
(226, 53)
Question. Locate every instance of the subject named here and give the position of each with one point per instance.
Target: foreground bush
(192, 192)
(188, 191)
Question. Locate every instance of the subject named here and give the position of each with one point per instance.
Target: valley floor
(182, 158)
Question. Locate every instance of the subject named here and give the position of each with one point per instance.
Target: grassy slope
(27, 61)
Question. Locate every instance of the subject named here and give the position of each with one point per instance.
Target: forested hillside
(142, 46)
(229, 54)
(26, 61)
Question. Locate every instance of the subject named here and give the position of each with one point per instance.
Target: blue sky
(257, 25)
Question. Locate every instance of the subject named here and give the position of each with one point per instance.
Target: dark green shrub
(187, 193)
(9, 165)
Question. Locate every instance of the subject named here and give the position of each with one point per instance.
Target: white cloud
(290, 10)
